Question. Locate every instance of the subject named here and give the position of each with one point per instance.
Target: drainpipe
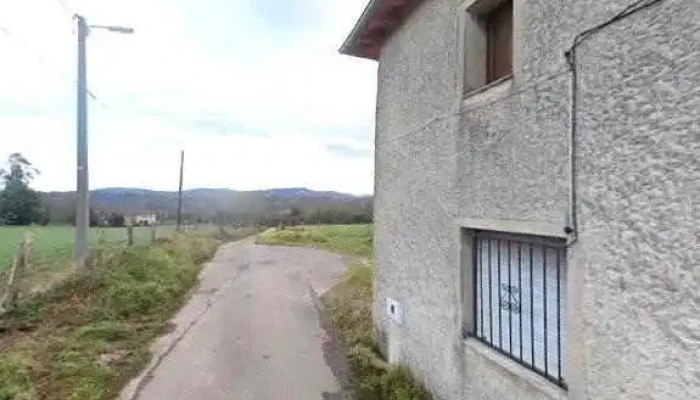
(571, 228)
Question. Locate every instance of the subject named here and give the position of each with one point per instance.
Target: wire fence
(34, 258)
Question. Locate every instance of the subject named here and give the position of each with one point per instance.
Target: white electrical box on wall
(393, 310)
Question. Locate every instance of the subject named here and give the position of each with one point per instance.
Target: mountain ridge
(203, 201)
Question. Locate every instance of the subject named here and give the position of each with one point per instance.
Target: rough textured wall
(513, 153)
(417, 78)
(414, 204)
(512, 164)
(502, 154)
(639, 187)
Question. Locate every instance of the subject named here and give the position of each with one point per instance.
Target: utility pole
(179, 191)
(82, 201)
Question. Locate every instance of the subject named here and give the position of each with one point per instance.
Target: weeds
(86, 337)
(350, 306)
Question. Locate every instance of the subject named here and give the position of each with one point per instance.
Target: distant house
(142, 219)
(536, 195)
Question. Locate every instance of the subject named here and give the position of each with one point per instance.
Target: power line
(44, 61)
(66, 8)
(5, 31)
(631, 9)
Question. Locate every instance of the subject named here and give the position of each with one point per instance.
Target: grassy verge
(350, 308)
(85, 338)
(349, 305)
(346, 239)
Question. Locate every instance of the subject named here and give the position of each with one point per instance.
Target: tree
(19, 204)
(18, 169)
(94, 218)
(116, 219)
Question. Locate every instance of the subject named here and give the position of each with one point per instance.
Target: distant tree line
(21, 205)
(300, 214)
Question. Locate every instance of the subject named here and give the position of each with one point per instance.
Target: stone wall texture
(502, 154)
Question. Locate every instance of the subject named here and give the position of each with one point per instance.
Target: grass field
(349, 305)
(54, 244)
(346, 239)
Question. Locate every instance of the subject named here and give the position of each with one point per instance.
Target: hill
(204, 203)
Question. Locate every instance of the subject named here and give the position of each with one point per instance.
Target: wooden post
(154, 234)
(179, 190)
(101, 246)
(130, 234)
(28, 252)
(23, 253)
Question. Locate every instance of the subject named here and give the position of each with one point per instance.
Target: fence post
(154, 234)
(101, 245)
(18, 264)
(28, 253)
(130, 234)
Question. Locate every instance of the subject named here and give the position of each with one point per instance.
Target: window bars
(520, 299)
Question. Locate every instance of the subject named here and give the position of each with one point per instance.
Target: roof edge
(349, 46)
(377, 23)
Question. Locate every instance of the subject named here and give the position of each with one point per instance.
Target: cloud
(220, 125)
(286, 16)
(254, 90)
(348, 151)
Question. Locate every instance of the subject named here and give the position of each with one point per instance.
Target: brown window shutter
(499, 25)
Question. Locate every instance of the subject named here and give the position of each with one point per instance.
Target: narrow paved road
(253, 331)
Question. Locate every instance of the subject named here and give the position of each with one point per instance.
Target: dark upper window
(499, 42)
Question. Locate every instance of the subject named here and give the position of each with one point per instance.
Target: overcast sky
(254, 91)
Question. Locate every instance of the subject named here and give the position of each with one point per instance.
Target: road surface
(252, 331)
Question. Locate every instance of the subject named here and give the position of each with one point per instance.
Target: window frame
(555, 376)
(473, 45)
(495, 21)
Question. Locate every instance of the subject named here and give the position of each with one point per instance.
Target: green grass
(349, 305)
(54, 244)
(345, 239)
(85, 338)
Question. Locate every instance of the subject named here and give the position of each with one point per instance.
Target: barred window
(520, 299)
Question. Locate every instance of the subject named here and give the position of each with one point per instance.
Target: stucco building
(146, 219)
(537, 189)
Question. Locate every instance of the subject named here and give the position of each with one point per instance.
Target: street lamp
(118, 29)
(82, 204)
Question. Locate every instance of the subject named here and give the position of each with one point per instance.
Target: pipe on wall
(571, 228)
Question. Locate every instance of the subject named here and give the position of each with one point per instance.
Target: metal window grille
(520, 299)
